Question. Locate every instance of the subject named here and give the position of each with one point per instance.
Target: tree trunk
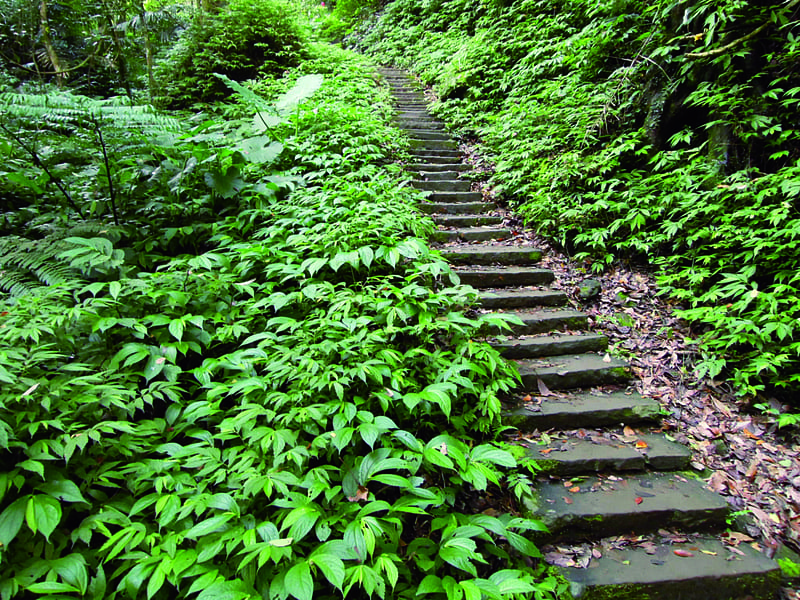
(48, 44)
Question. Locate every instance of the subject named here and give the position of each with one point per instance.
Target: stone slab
(545, 320)
(522, 298)
(493, 255)
(444, 185)
(425, 169)
(460, 208)
(712, 572)
(551, 345)
(430, 154)
(431, 134)
(600, 505)
(435, 146)
(440, 196)
(467, 220)
(505, 276)
(584, 409)
(594, 453)
(572, 371)
(471, 234)
(447, 176)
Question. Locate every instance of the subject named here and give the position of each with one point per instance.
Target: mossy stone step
(467, 196)
(435, 156)
(429, 169)
(711, 571)
(447, 176)
(458, 185)
(608, 505)
(415, 115)
(493, 255)
(471, 234)
(467, 220)
(545, 320)
(592, 454)
(493, 277)
(583, 409)
(460, 208)
(424, 124)
(551, 345)
(431, 134)
(522, 298)
(572, 371)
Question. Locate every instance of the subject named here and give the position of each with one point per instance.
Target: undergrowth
(232, 368)
(663, 132)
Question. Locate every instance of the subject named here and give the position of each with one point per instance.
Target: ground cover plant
(230, 365)
(661, 132)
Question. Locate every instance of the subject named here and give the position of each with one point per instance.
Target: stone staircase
(611, 482)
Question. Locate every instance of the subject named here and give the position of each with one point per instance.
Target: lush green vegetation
(231, 367)
(663, 131)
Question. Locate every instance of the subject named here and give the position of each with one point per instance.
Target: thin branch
(112, 195)
(736, 42)
(38, 162)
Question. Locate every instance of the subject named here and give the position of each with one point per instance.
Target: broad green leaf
(431, 584)
(260, 150)
(208, 526)
(42, 514)
(176, 329)
(11, 521)
(52, 587)
(301, 91)
(298, 581)
(226, 184)
(62, 489)
(332, 567)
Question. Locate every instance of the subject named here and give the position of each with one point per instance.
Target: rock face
(603, 473)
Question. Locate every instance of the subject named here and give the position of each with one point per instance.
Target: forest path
(610, 477)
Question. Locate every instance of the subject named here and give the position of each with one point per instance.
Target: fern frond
(28, 264)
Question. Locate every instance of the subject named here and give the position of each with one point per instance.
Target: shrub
(244, 40)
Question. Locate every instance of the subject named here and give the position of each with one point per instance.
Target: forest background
(228, 356)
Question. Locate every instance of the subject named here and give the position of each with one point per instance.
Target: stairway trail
(605, 482)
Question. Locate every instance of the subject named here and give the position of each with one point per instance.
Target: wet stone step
(415, 115)
(462, 208)
(471, 234)
(419, 145)
(447, 176)
(443, 186)
(583, 409)
(596, 453)
(551, 345)
(424, 124)
(435, 156)
(467, 196)
(494, 277)
(572, 371)
(467, 220)
(708, 570)
(493, 255)
(608, 505)
(545, 320)
(428, 169)
(425, 134)
(522, 298)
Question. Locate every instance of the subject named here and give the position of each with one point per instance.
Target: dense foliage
(657, 130)
(245, 40)
(230, 365)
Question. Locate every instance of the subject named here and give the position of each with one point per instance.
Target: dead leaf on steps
(543, 389)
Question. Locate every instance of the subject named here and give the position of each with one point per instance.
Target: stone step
(441, 176)
(426, 169)
(448, 197)
(461, 208)
(596, 453)
(711, 571)
(493, 277)
(467, 220)
(435, 146)
(551, 345)
(459, 185)
(436, 156)
(430, 134)
(546, 320)
(610, 505)
(492, 255)
(471, 234)
(406, 106)
(522, 298)
(572, 371)
(415, 115)
(582, 409)
(425, 124)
